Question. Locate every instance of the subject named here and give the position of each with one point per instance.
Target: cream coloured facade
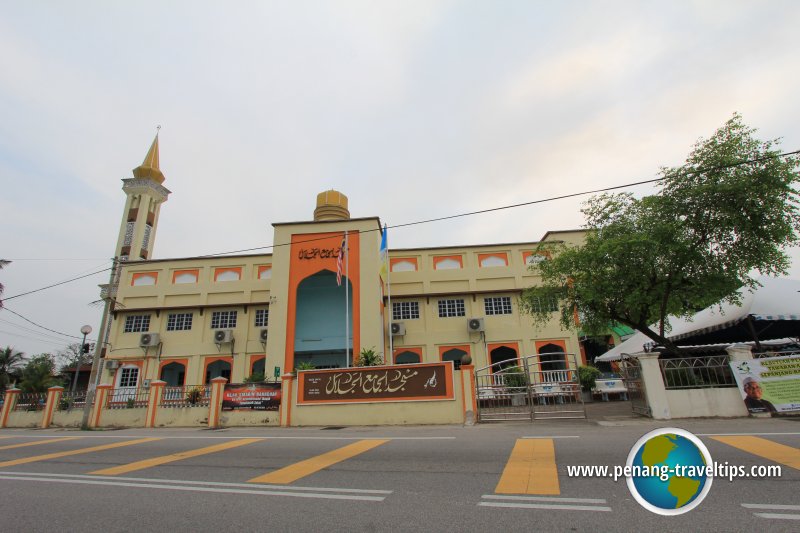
(188, 320)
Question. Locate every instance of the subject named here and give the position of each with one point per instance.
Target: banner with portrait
(769, 385)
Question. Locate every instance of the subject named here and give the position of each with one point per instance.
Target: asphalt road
(371, 479)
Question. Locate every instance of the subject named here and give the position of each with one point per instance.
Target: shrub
(369, 357)
(588, 375)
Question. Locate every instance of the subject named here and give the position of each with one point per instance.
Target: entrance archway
(454, 355)
(504, 355)
(320, 314)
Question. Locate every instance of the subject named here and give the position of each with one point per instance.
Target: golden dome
(331, 205)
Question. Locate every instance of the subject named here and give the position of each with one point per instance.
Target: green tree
(730, 211)
(38, 374)
(10, 364)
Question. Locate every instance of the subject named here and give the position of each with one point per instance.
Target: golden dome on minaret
(149, 168)
(331, 205)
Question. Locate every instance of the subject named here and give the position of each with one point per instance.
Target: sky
(413, 109)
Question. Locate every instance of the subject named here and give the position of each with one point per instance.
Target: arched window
(406, 358)
(218, 369)
(454, 355)
(552, 361)
(404, 266)
(503, 357)
(174, 374)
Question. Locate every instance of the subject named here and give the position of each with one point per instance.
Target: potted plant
(194, 395)
(369, 357)
(304, 365)
(587, 375)
(517, 385)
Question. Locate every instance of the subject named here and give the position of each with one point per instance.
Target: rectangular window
(405, 310)
(223, 319)
(137, 323)
(449, 308)
(262, 317)
(500, 305)
(128, 377)
(549, 304)
(179, 322)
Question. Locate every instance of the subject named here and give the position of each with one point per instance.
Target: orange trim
(289, 398)
(300, 269)
(128, 364)
(222, 270)
(499, 255)
(195, 271)
(471, 371)
(99, 402)
(526, 255)
(53, 395)
(462, 347)
(561, 343)
(165, 362)
(137, 275)
(156, 390)
(439, 259)
(254, 359)
(490, 347)
(9, 402)
(211, 359)
(463, 398)
(394, 260)
(263, 268)
(413, 349)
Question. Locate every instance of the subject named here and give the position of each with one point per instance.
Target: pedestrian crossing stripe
(531, 469)
(310, 466)
(164, 459)
(779, 453)
(67, 453)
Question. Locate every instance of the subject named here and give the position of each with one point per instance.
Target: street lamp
(85, 330)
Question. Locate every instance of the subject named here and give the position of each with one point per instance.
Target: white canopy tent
(772, 311)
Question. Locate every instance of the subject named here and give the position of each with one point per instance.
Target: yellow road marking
(36, 443)
(780, 453)
(56, 455)
(147, 463)
(305, 468)
(531, 469)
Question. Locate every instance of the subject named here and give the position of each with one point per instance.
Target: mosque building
(188, 320)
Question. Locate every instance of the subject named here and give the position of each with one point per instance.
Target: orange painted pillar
(100, 396)
(10, 401)
(286, 399)
(153, 401)
(215, 405)
(468, 393)
(53, 396)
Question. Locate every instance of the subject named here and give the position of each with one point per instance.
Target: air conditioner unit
(112, 364)
(263, 334)
(475, 324)
(222, 336)
(145, 383)
(398, 328)
(149, 339)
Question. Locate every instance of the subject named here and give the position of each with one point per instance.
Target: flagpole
(389, 297)
(347, 301)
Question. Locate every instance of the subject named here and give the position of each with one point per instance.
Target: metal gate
(527, 389)
(631, 370)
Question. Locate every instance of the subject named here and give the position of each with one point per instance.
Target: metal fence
(72, 400)
(31, 401)
(186, 396)
(127, 398)
(697, 372)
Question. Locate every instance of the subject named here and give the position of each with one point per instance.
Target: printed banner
(255, 396)
(429, 381)
(769, 385)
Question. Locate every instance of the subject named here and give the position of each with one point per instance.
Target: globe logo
(669, 474)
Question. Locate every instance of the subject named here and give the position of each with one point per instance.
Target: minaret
(145, 192)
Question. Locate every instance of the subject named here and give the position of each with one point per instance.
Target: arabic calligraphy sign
(429, 381)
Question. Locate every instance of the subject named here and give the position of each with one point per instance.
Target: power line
(41, 326)
(56, 284)
(37, 332)
(532, 202)
(36, 339)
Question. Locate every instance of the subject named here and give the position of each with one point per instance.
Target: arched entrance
(319, 336)
(218, 369)
(174, 374)
(259, 367)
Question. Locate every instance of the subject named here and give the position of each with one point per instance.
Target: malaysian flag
(340, 259)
